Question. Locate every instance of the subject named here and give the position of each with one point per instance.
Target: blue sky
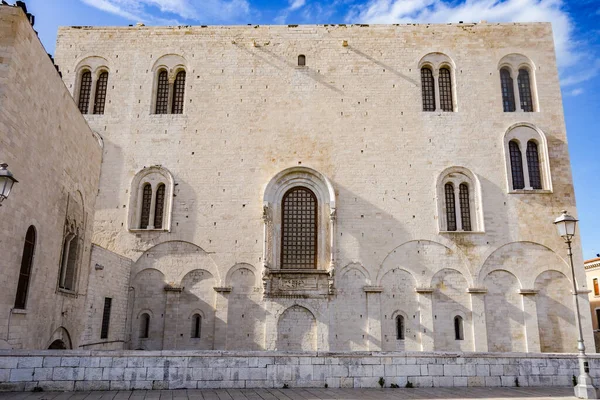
(576, 26)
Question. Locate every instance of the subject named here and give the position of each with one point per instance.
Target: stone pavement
(302, 394)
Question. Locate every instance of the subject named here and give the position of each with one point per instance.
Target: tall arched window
(399, 327)
(299, 229)
(465, 208)
(85, 90)
(196, 326)
(25, 272)
(100, 98)
(458, 328)
(162, 93)
(301, 60)
(144, 326)
(516, 165)
(178, 93)
(69, 262)
(525, 90)
(450, 207)
(427, 89)
(445, 83)
(159, 207)
(146, 204)
(533, 165)
(508, 90)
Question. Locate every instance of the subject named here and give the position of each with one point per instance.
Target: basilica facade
(330, 187)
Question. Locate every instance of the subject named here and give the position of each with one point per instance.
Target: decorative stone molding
(373, 289)
(172, 287)
(528, 292)
(223, 289)
(424, 290)
(477, 290)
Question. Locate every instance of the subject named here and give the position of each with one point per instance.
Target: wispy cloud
(574, 92)
(285, 13)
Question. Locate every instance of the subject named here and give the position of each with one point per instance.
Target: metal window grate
(427, 89)
(465, 209)
(450, 207)
(178, 93)
(399, 327)
(533, 165)
(106, 318)
(24, 274)
(516, 165)
(525, 90)
(146, 201)
(162, 93)
(85, 89)
(159, 207)
(445, 90)
(508, 90)
(100, 98)
(299, 229)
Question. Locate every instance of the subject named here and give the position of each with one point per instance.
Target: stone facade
(592, 272)
(348, 126)
(56, 157)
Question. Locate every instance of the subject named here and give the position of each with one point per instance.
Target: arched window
(100, 98)
(465, 208)
(159, 207)
(516, 165)
(450, 207)
(196, 326)
(427, 89)
(533, 165)
(525, 90)
(144, 326)
(445, 83)
(399, 327)
(299, 229)
(25, 272)
(69, 262)
(458, 328)
(508, 90)
(301, 60)
(146, 204)
(178, 93)
(162, 93)
(85, 90)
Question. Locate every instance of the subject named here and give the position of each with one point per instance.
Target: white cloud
(575, 92)
(285, 13)
(296, 4)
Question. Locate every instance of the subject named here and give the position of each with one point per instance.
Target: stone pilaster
(532, 331)
(478, 319)
(221, 312)
(426, 313)
(373, 317)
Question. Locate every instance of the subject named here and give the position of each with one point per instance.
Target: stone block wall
(85, 370)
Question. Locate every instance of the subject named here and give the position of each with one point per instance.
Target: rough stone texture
(56, 158)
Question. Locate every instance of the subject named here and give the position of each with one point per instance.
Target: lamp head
(565, 224)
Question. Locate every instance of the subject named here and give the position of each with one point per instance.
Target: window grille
(196, 326)
(516, 165)
(25, 272)
(508, 90)
(399, 327)
(146, 202)
(450, 207)
(427, 89)
(162, 93)
(144, 326)
(159, 207)
(178, 93)
(301, 60)
(465, 209)
(525, 90)
(106, 318)
(458, 328)
(596, 289)
(85, 89)
(100, 99)
(69, 262)
(445, 90)
(299, 229)
(533, 165)
(597, 318)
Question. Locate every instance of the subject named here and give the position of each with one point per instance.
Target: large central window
(299, 229)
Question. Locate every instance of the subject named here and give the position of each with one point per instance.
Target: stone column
(221, 313)
(479, 331)
(436, 89)
(171, 319)
(426, 314)
(532, 331)
(373, 294)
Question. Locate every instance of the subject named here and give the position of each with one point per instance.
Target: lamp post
(585, 388)
(7, 180)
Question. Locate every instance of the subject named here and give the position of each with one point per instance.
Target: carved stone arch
(155, 176)
(172, 62)
(458, 175)
(436, 60)
(523, 132)
(357, 266)
(94, 64)
(515, 62)
(239, 266)
(144, 311)
(297, 329)
(61, 334)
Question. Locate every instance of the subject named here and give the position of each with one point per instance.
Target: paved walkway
(303, 394)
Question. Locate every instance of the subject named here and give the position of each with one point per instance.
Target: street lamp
(7, 180)
(585, 388)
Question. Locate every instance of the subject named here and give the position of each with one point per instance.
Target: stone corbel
(477, 290)
(373, 289)
(528, 292)
(223, 289)
(172, 287)
(424, 290)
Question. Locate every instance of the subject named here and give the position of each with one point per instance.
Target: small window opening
(25, 271)
(69, 262)
(301, 60)
(196, 326)
(596, 288)
(516, 165)
(144, 326)
(458, 328)
(399, 327)
(106, 318)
